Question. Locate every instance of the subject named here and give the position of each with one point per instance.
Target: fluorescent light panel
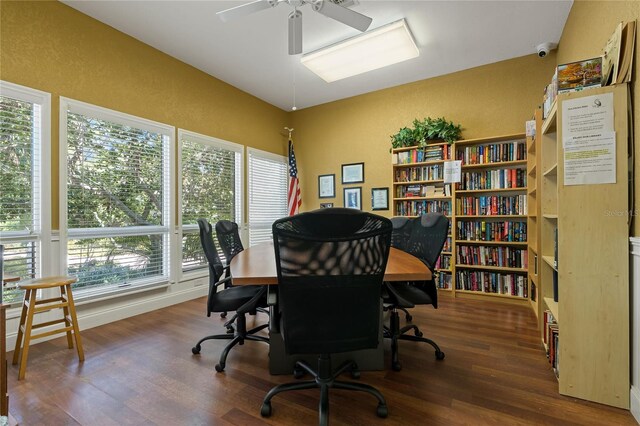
(375, 49)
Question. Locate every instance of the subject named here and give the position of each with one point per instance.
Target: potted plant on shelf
(425, 130)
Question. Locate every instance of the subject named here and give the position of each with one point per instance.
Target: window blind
(20, 184)
(268, 179)
(117, 199)
(211, 188)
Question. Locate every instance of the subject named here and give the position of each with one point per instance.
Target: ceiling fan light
(387, 45)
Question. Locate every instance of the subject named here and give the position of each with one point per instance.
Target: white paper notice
(590, 159)
(589, 140)
(588, 115)
(452, 171)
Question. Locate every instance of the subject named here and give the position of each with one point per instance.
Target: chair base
(395, 333)
(237, 338)
(324, 379)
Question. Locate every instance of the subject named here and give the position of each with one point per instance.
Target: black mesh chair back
(330, 265)
(229, 239)
(428, 235)
(401, 232)
(216, 269)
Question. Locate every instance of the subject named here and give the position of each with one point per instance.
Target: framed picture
(353, 198)
(326, 205)
(379, 198)
(353, 173)
(326, 186)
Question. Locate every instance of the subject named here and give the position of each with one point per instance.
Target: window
(210, 188)
(24, 177)
(116, 204)
(268, 179)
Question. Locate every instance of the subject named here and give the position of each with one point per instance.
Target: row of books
(551, 338)
(423, 190)
(508, 231)
(443, 280)
(491, 205)
(493, 153)
(492, 282)
(493, 179)
(443, 262)
(501, 256)
(447, 242)
(412, 174)
(421, 155)
(418, 208)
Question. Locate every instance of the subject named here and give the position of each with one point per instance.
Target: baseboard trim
(635, 402)
(126, 310)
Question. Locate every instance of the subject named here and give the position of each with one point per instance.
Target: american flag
(294, 185)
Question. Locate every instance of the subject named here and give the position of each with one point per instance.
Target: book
(627, 45)
(611, 57)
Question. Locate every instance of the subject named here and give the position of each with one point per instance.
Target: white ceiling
(250, 53)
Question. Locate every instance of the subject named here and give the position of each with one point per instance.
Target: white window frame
(43, 184)
(239, 188)
(271, 156)
(90, 110)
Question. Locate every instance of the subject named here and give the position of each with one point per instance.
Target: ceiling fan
(327, 8)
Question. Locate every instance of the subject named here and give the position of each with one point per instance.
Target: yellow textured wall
(589, 26)
(491, 100)
(52, 47)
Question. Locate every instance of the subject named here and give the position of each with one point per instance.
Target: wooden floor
(140, 371)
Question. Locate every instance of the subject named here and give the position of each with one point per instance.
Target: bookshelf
(534, 214)
(486, 252)
(582, 241)
(490, 219)
(418, 187)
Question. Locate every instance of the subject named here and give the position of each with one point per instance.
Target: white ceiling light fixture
(387, 45)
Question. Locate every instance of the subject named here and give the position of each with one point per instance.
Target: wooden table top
(257, 265)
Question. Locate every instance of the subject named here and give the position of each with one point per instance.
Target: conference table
(256, 265)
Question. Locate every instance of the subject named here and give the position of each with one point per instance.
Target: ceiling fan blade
(245, 9)
(342, 14)
(295, 32)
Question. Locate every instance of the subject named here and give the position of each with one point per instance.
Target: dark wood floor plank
(140, 371)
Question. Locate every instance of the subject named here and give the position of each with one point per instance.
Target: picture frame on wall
(353, 173)
(379, 198)
(353, 198)
(327, 186)
(326, 205)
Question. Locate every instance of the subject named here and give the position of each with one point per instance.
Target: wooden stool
(31, 306)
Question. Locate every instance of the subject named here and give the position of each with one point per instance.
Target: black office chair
(229, 238)
(330, 265)
(222, 298)
(427, 237)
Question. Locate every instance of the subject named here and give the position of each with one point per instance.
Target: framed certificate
(379, 198)
(326, 186)
(353, 173)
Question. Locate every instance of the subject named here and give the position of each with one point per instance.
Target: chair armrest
(251, 304)
(222, 281)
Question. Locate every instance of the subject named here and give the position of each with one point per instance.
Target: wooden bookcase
(459, 267)
(592, 310)
(418, 187)
(490, 219)
(533, 204)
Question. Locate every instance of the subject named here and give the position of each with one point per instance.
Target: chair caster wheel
(223, 315)
(355, 374)
(195, 350)
(230, 330)
(409, 318)
(298, 373)
(439, 355)
(265, 411)
(219, 368)
(382, 411)
(418, 333)
(396, 366)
